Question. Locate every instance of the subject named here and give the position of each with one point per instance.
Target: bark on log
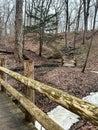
(47, 122)
(82, 108)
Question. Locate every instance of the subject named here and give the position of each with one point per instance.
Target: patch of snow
(68, 65)
(66, 118)
(95, 72)
(92, 98)
(39, 126)
(61, 116)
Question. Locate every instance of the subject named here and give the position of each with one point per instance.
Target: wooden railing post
(2, 74)
(30, 94)
(78, 106)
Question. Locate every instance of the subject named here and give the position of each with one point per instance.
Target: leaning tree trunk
(18, 31)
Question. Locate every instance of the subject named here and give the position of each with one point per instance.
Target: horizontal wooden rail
(47, 122)
(84, 109)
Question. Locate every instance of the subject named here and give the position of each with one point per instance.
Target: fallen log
(21, 68)
(78, 106)
(6, 52)
(39, 115)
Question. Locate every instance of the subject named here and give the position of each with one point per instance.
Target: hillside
(50, 71)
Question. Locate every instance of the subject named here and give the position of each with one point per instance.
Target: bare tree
(67, 20)
(89, 48)
(18, 31)
(86, 5)
(7, 18)
(57, 8)
(77, 23)
(7, 14)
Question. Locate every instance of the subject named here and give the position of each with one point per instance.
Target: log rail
(84, 109)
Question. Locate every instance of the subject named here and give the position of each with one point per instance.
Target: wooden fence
(84, 109)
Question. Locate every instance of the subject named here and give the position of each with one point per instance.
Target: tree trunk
(0, 26)
(67, 21)
(18, 31)
(79, 14)
(24, 24)
(41, 41)
(86, 14)
(89, 48)
(77, 24)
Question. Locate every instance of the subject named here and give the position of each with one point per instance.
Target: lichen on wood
(78, 106)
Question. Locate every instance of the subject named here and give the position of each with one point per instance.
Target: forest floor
(70, 80)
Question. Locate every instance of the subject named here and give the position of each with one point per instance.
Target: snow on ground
(95, 72)
(66, 118)
(61, 116)
(92, 98)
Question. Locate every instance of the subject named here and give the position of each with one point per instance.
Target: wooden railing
(84, 109)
